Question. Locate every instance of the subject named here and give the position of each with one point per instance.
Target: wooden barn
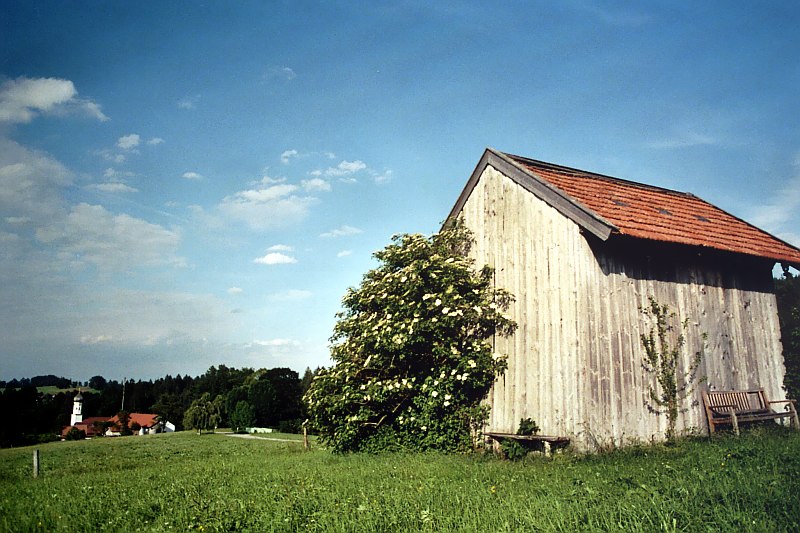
(583, 253)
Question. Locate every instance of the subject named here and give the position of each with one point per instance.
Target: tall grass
(218, 483)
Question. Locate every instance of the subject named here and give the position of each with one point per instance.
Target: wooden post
(35, 463)
(306, 446)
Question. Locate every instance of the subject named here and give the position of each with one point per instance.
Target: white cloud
(8, 238)
(283, 73)
(155, 141)
(269, 180)
(96, 339)
(23, 98)
(278, 352)
(16, 221)
(380, 179)
(344, 253)
(274, 343)
(779, 215)
(684, 139)
(269, 207)
(287, 155)
(191, 176)
(351, 166)
(110, 156)
(31, 183)
(280, 248)
(112, 173)
(128, 142)
(92, 235)
(189, 102)
(123, 317)
(291, 295)
(235, 290)
(267, 195)
(92, 109)
(341, 232)
(113, 187)
(275, 258)
(316, 184)
(344, 168)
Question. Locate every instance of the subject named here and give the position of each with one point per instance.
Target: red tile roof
(144, 420)
(653, 213)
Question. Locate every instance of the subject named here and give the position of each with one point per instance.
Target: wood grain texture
(575, 362)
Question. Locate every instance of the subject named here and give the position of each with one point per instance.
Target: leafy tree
(124, 417)
(308, 377)
(662, 358)
(261, 395)
(204, 413)
(242, 417)
(97, 383)
(412, 361)
(234, 396)
(288, 393)
(168, 408)
(787, 291)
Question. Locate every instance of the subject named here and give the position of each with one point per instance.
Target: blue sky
(196, 184)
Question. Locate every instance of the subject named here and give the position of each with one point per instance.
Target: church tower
(77, 410)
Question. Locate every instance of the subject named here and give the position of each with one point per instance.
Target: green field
(217, 483)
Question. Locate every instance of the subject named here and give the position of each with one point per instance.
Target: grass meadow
(213, 482)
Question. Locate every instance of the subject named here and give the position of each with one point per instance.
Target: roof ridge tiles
(576, 172)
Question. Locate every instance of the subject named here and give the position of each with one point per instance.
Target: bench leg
(795, 420)
(735, 423)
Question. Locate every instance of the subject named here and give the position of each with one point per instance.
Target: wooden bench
(733, 407)
(545, 441)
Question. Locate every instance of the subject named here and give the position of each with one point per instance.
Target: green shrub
(527, 426)
(75, 434)
(290, 426)
(412, 361)
(515, 450)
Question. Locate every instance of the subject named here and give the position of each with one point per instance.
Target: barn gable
(607, 206)
(582, 253)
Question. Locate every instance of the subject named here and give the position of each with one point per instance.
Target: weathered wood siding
(575, 362)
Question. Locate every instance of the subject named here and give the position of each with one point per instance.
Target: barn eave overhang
(703, 249)
(581, 215)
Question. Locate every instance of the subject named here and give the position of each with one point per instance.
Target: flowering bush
(412, 361)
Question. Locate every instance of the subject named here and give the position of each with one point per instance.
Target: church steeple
(77, 410)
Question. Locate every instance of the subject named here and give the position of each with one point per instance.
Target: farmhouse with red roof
(583, 253)
(98, 426)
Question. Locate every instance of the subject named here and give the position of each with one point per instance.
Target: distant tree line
(248, 397)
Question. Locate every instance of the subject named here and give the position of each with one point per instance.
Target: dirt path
(251, 436)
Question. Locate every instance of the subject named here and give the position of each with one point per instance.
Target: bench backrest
(737, 400)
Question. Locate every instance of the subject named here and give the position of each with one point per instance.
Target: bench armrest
(782, 401)
(790, 405)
